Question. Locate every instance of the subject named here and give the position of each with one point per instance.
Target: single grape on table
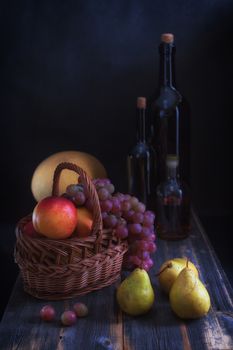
(80, 309)
(68, 318)
(47, 313)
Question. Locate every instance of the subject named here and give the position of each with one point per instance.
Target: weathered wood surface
(22, 329)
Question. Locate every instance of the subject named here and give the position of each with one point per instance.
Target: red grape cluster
(127, 216)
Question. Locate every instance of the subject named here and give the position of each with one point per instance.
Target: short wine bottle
(170, 117)
(141, 162)
(172, 204)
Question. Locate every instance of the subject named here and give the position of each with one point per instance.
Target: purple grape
(99, 184)
(103, 194)
(150, 213)
(127, 197)
(142, 245)
(148, 220)
(121, 231)
(134, 201)
(139, 207)
(145, 266)
(73, 189)
(119, 196)
(106, 205)
(135, 228)
(107, 181)
(151, 247)
(152, 237)
(146, 233)
(110, 221)
(150, 262)
(137, 218)
(116, 206)
(110, 187)
(125, 205)
(135, 260)
(104, 215)
(128, 215)
(145, 255)
(79, 198)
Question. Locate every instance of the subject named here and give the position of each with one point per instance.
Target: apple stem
(166, 267)
(187, 262)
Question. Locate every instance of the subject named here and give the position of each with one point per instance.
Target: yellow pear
(135, 294)
(188, 296)
(170, 270)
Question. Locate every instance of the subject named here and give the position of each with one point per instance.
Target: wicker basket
(55, 269)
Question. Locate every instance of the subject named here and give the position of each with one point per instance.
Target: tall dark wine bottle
(170, 123)
(141, 161)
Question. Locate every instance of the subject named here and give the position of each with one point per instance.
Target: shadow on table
(8, 272)
(219, 231)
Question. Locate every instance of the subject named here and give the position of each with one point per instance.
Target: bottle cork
(167, 38)
(141, 102)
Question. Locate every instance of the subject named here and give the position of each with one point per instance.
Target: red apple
(29, 229)
(55, 217)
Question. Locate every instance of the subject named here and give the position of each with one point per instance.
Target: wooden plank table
(22, 329)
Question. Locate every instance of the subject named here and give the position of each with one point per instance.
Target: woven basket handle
(91, 191)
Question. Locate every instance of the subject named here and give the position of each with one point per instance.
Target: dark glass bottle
(170, 123)
(141, 162)
(172, 204)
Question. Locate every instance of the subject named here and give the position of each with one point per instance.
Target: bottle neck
(141, 125)
(167, 65)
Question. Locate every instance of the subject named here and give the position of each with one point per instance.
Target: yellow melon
(41, 184)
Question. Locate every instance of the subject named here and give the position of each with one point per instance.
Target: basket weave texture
(55, 269)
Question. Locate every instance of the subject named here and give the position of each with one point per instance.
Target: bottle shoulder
(140, 149)
(168, 97)
(172, 186)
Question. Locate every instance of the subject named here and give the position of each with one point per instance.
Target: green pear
(188, 296)
(170, 270)
(135, 294)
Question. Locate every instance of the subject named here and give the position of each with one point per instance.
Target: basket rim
(71, 239)
(109, 244)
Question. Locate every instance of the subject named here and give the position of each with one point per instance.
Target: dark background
(70, 75)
